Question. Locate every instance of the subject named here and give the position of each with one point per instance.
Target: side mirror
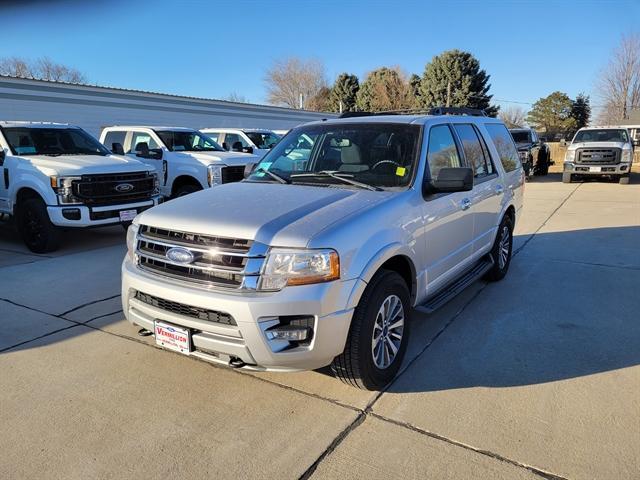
(117, 148)
(450, 180)
(155, 154)
(248, 168)
(3, 155)
(247, 149)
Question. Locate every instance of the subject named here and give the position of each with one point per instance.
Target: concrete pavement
(533, 377)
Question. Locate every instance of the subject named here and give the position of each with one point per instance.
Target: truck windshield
(263, 139)
(521, 136)
(186, 141)
(381, 155)
(602, 135)
(52, 141)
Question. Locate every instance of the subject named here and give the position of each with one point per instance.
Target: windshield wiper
(277, 178)
(345, 178)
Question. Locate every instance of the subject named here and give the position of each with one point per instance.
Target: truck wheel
(624, 179)
(542, 168)
(501, 251)
(378, 336)
(566, 177)
(186, 190)
(35, 227)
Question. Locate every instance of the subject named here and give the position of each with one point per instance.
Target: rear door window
(504, 145)
(442, 151)
(475, 151)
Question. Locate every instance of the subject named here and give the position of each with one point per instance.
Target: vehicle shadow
(552, 318)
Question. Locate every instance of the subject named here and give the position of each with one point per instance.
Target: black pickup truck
(535, 155)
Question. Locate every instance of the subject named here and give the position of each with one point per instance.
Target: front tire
(566, 177)
(186, 190)
(35, 227)
(501, 251)
(624, 179)
(378, 335)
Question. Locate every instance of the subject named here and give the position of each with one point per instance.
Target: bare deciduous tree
(42, 69)
(236, 97)
(287, 79)
(513, 117)
(619, 83)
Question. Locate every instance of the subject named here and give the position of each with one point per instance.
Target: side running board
(458, 285)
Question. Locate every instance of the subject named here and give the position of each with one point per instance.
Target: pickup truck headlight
(156, 183)
(284, 267)
(63, 186)
(214, 175)
(626, 156)
(570, 156)
(132, 233)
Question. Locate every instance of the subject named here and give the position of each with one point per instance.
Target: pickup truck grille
(597, 156)
(212, 261)
(232, 174)
(114, 189)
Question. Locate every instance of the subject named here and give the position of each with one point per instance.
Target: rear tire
(382, 314)
(35, 227)
(542, 168)
(501, 251)
(566, 177)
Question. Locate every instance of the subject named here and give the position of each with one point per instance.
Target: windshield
(374, 154)
(52, 141)
(521, 136)
(263, 139)
(188, 141)
(603, 135)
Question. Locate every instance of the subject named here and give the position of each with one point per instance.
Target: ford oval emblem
(180, 255)
(124, 187)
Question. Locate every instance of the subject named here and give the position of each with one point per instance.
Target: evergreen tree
(581, 111)
(552, 114)
(454, 78)
(384, 89)
(345, 90)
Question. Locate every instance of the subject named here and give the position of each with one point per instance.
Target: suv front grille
(114, 189)
(596, 156)
(185, 310)
(213, 261)
(232, 174)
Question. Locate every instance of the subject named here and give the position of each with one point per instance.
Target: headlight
(626, 156)
(63, 186)
(570, 156)
(132, 233)
(298, 267)
(214, 175)
(156, 183)
(524, 155)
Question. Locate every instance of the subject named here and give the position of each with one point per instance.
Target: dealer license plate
(127, 215)
(173, 337)
(595, 169)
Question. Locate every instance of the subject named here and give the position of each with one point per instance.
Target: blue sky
(211, 49)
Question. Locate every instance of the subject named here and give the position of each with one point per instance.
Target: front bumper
(253, 312)
(94, 216)
(584, 169)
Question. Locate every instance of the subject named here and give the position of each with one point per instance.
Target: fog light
(71, 213)
(623, 168)
(289, 333)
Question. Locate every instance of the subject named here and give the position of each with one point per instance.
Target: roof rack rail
(358, 114)
(421, 111)
(475, 112)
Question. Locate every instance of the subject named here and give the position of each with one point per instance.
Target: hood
(621, 145)
(228, 158)
(274, 214)
(73, 165)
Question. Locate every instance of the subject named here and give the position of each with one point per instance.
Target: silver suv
(319, 255)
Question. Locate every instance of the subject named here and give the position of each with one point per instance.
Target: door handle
(499, 189)
(465, 204)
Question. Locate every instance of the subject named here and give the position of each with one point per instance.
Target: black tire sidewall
(496, 273)
(50, 233)
(186, 190)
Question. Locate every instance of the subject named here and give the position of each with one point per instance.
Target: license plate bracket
(595, 169)
(128, 215)
(172, 337)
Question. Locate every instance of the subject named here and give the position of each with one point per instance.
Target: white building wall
(93, 108)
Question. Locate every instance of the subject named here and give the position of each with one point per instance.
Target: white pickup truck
(57, 176)
(185, 160)
(251, 140)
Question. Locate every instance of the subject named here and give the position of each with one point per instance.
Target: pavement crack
(39, 337)
(487, 453)
(87, 304)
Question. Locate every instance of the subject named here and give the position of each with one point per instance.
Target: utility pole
(448, 93)
(340, 106)
(301, 101)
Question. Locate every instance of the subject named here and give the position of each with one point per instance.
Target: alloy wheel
(387, 332)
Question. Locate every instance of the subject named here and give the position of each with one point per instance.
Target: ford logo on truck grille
(180, 255)
(124, 187)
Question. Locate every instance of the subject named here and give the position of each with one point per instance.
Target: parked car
(599, 151)
(58, 176)
(292, 270)
(250, 140)
(185, 160)
(535, 155)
